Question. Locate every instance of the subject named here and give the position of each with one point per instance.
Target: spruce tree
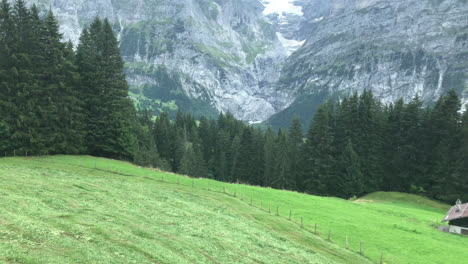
(110, 116)
(350, 179)
(245, 170)
(318, 153)
(282, 177)
(295, 140)
(25, 85)
(7, 107)
(269, 159)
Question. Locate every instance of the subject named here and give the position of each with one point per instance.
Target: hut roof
(454, 214)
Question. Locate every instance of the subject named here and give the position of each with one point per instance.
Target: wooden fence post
(277, 210)
(269, 208)
(381, 258)
(347, 242)
(251, 201)
(302, 222)
(329, 235)
(315, 229)
(290, 214)
(224, 189)
(360, 250)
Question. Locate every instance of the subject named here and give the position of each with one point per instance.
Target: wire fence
(313, 228)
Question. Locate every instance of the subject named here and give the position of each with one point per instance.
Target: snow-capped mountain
(258, 58)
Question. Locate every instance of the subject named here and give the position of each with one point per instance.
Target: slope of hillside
(60, 213)
(73, 205)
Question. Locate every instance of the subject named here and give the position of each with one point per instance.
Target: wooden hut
(457, 217)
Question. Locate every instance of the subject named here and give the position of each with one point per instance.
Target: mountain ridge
(259, 63)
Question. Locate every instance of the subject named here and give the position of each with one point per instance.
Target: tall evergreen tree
(110, 116)
(295, 140)
(282, 178)
(269, 159)
(350, 179)
(318, 153)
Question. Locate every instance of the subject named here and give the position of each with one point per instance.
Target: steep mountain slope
(395, 48)
(255, 58)
(200, 55)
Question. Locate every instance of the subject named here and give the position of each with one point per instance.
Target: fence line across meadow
(109, 169)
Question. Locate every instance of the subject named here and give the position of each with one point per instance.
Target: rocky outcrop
(198, 55)
(206, 56)
(397, 49)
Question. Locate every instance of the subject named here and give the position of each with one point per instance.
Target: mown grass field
(60, 213)
(89, 210)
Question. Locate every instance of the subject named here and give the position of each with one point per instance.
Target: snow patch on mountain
(286, 15)
(290, 45)
(282, 7)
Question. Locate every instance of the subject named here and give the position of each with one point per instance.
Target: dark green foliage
(4, 137)
(318, 153)
(349, 179)
(105, 92)
(56, 101)
(295, 140)
(282, 178)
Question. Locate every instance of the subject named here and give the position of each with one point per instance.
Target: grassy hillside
(66, 208)
(60, 213)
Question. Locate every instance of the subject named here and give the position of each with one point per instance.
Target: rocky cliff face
(198, 55)
(256, 57)
(397, 48)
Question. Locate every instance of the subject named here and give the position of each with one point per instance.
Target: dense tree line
(55, 100)
(353, 147)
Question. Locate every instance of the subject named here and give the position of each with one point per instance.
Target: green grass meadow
(81, 209)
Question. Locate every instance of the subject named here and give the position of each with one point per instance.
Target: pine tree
(25, 85)
(88, 60)
(110, 115)
(119, 140)
(222, 154)
(7, 107)
(235, 151)
(369, 141)
(295, 140)
(269, 159)
(162, 130)
(393, 147)
(445, 120)
(461, 180)
(350, 179)
(62, 107)
(318, 153)
(282, 177)
(244, 170)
